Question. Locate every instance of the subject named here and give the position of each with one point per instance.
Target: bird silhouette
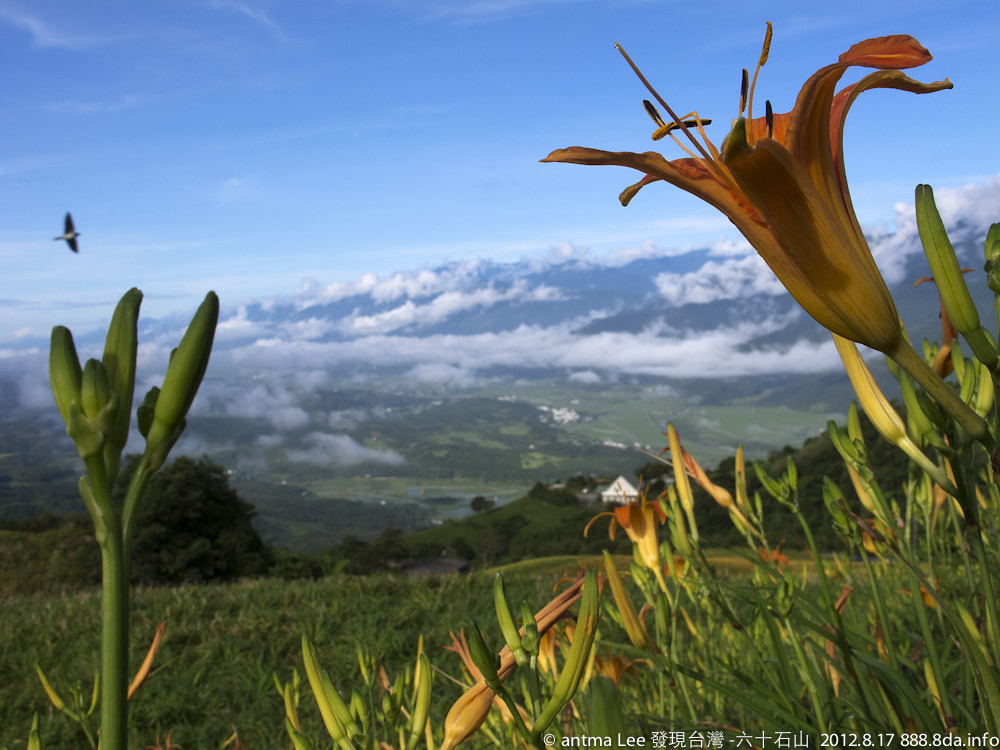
(70, 235)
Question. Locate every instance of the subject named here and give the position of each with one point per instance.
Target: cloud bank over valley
(286, 363)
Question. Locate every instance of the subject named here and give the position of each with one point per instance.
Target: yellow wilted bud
(49, 690)
(147, 663)
(680, 473)
(880, 412)
(633, 627)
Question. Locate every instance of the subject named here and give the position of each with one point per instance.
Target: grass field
(213, 675)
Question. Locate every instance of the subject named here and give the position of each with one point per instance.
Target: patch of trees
(480, 503)
(193, 527)
(558, 496)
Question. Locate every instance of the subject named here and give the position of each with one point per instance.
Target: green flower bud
(119, 360)
(100, 405)
(95, 391)
(934, 412)
(792, 475)
(318, 680)
(144, 414)
(301, 741)
(530, 640)
(985, 393)
(88, 438)
(359, 708)
(185, 371)
(785, 596)
(346, 722)
(487, 662)
(943, 262)
(833, 498)
(579, 652)
(65, 373)
(388, 709)
(949, 279)
(993, 243)
(34, 742)
(422, 700)
(507, 625)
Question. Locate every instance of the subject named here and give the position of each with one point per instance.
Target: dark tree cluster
(193, 527)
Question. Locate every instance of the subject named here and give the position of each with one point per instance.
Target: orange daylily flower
(776, 556)
(680, 565)
(781, 180)
(640, 521)
(615, 667)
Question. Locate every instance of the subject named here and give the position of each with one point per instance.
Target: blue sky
(245, 145)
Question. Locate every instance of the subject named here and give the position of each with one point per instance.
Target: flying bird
(70, 235)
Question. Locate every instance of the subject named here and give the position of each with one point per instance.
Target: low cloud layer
(341, 450)
(650, 311)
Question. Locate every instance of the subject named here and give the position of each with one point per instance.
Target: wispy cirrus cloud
(256, 15)
(82, 107)
(45, 34)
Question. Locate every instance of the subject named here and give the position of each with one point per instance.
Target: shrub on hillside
(193, 527)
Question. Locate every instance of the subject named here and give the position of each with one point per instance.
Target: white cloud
(658, 350)
(442, 306)
(969, 209)
(269, 441)
(439, 372)
(276, 405)
(44, 34)
(312, 328)
(735, 277)
(342, 450)
(34, 392)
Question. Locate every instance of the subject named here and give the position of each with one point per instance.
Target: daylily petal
(696, 176)
(812, 248)
(897, 51)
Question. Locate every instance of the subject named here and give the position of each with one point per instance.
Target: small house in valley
(621, 492)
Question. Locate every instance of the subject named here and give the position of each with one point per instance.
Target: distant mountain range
(413, 391)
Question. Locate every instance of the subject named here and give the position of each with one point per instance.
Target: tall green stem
(114, 644)
(114, 614)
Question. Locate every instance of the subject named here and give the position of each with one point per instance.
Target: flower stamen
(769, 118)
(744, 87)
(690, 120)
(679, 122)
(654, 113)
(760, 64)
